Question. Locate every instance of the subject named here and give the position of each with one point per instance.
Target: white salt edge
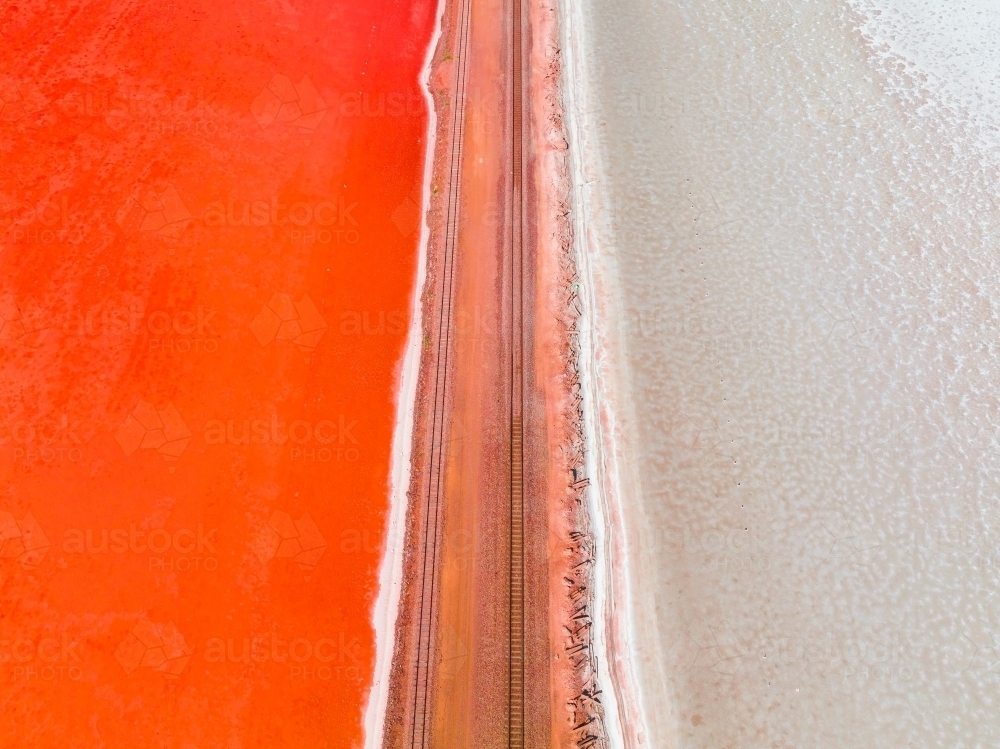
(386, 611)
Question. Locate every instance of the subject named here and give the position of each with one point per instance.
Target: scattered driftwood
(584, 706)
(586, 711)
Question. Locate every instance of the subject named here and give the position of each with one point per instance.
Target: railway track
(515, 727)
(431, 549)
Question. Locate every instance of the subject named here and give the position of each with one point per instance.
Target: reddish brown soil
(576, 712)
(471, 664)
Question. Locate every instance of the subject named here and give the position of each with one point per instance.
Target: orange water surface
(209, 216)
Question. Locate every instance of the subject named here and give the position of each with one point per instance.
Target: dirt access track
(478, 650)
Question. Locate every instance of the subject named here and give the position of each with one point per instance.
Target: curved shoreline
(606, 401)
(385, 614)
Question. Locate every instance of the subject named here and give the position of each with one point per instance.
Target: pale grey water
(808, 252)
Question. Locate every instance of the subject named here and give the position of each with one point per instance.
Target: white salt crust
(804, 228)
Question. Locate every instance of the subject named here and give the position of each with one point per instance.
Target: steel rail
(516, 583)
(431, 546)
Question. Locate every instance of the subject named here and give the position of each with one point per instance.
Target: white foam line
(390, 575)
(625, 719)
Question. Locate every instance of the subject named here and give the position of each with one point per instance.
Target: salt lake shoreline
(601, 361)
(385, 616)
(607, 402)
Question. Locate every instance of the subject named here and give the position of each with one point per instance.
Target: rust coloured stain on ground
(209, 225)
